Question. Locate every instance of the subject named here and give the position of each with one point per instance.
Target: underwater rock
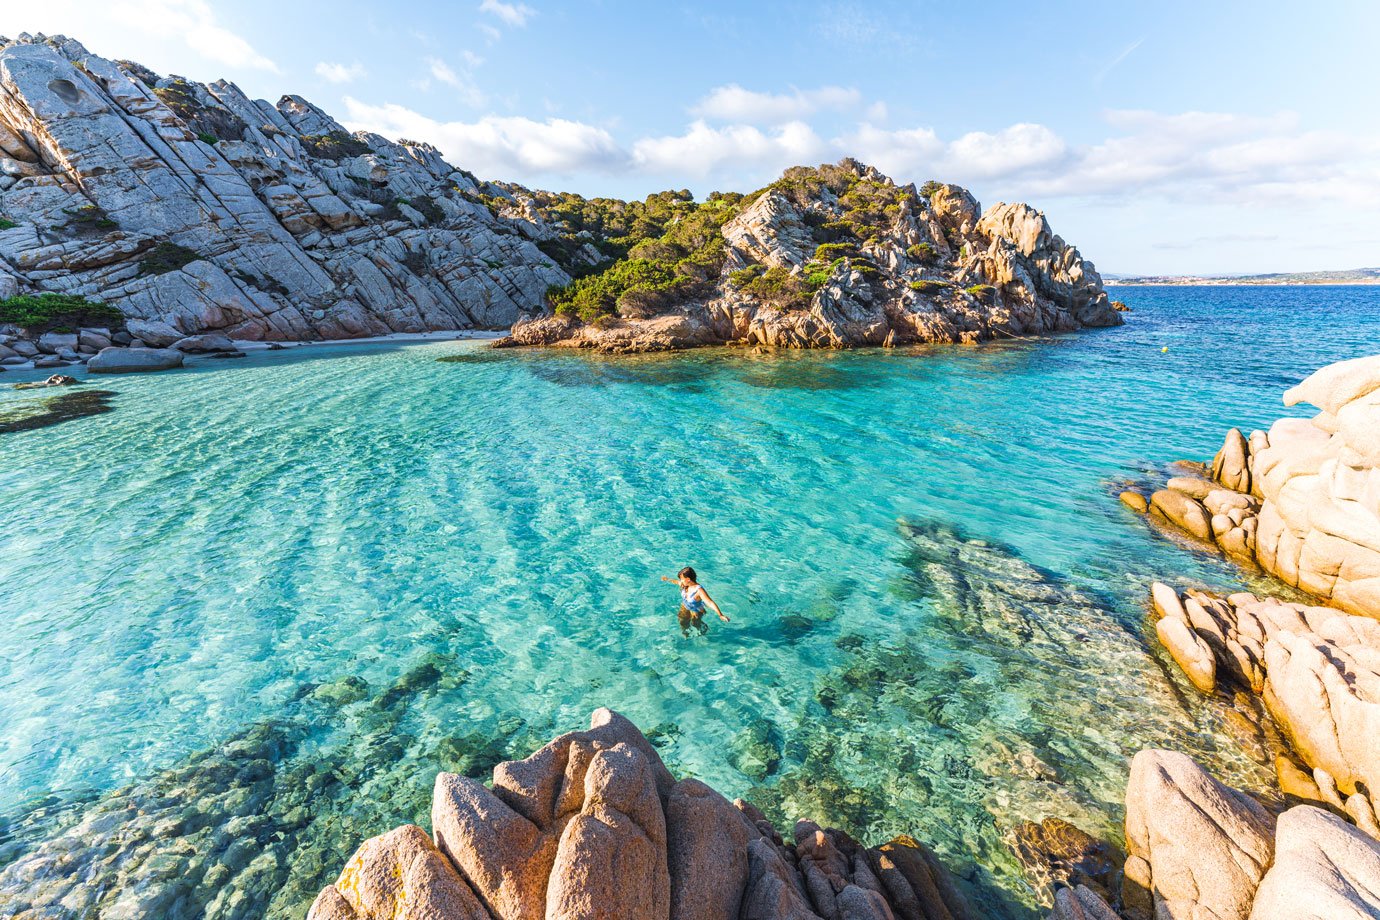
(1058, 855)
(54, 410)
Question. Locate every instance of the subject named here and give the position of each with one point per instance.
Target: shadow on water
(29, 415)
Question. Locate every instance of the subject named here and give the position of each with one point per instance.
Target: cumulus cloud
(703, 151)
(732, 103)
(513, 14)
(462, 83)
(339, 73)
(499, 147)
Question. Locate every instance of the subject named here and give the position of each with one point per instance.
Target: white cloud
(339, 73)
(732, 103)
(462, 83)
(499, 147)
(1016, 149)
(194, 22)
(703, 150)
(513, 14)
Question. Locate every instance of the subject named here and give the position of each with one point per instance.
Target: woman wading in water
(693, 599)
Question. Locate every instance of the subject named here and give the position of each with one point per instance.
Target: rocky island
(138, 211)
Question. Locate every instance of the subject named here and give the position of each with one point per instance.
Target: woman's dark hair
(687, 572)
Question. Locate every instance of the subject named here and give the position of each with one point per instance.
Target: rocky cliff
(195, 207)
(827, 257)
(1302, 500)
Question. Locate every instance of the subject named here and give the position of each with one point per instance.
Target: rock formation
(193, 208)
(1303, 499)
(1317, 670)
(841, 256)
(1200, 850)
(593, 825)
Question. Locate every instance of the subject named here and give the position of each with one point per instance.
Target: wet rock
(1323, 868)
(1135, 501)
(57, 380)
(116, 360)
(1057, 855)
(1200, 848)
(1182, 511)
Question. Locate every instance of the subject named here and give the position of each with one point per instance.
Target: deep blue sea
(268, 599)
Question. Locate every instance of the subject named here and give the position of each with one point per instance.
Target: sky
(1199, 137)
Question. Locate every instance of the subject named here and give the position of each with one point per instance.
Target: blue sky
(1169, 137)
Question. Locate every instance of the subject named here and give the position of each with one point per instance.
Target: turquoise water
(346, 567)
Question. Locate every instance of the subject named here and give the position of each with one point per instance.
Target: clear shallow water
(466, 555)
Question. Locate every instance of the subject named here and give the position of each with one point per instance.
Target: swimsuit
(690, 597)
(692, 609)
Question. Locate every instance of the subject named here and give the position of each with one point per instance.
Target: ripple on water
(467, 554)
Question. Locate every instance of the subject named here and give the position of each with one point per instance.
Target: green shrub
(208, 139)
(778, 288)
(928, 287)
(39, 313)
(6, 224)
(828, 252)
(88, 220)
(428, 208)
(929, 188)
(659, 271)
(983, 292)
(921, 252)
(337, 145)
(745, 276)
(167, 257)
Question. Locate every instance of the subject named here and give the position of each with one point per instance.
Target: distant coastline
(1358, 276)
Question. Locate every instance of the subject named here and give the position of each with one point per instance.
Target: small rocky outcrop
(1317, 670)
(841, 256)
(593, 825)
(1301, 501)
(192, 208)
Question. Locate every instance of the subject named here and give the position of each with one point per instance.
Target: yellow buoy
(1164, 350)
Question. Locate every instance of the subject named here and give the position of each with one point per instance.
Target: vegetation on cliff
(57, 313)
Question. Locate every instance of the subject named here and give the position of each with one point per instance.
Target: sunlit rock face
(195, 206)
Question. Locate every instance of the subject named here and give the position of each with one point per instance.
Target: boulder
(706, 847)
(1080, 904)
(505, 858)
(1135, 501)
(917, 885)
(206, 343)
(1183, 511)
(50, 343)
(115, 360)
(155, 333)
(611, 861)
(1324, 869)
(1190, 651)
(1231, 466)
(1200, 848)
(398, 876)
(1166, 602)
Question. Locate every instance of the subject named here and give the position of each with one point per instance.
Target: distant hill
(1349, 276)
